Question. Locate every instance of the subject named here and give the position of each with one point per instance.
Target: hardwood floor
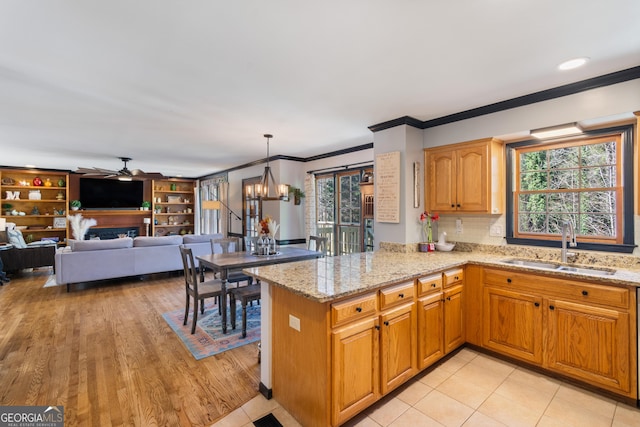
(106, 354)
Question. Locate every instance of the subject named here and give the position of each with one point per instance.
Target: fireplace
(111, 233)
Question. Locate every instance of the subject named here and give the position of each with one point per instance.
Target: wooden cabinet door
(356, 369)
(397, 346)
(472, 179)
(442, 181)
(512, 323)
(430, 330)
(453, 318)
(589, 343)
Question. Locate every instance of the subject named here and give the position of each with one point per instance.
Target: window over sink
(587, 180)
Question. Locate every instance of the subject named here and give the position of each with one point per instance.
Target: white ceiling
(190, 87)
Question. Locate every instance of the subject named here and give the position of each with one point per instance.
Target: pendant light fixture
(268, 188)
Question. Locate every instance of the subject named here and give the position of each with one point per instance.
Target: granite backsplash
(531, 252)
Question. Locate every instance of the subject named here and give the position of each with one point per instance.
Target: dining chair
(228, 245)
(196, 289)
(318, 244)
(246, 295)
(251, 243)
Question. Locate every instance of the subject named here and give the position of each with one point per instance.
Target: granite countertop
(330, 278)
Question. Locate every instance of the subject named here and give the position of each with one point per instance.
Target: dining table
(225, 262)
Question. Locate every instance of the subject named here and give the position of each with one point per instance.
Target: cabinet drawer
(574, 290)
(395, 294)
(452, 277)
(429, 284)
(353, 308)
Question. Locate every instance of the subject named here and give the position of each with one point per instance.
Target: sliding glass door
(339, 211)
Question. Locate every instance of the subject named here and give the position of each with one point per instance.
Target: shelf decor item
(37, 181)
(145, 205)
(75, 205)
(61, 183)
(80, 225)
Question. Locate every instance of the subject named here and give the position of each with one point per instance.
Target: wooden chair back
(190, 271)
(251, 243)
(318, 244)
(227, 244)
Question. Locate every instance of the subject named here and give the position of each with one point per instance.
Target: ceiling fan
(123, 174)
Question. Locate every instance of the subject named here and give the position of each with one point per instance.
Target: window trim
(627, 219)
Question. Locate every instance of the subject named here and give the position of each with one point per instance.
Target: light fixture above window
(557, 131)
(267, 188)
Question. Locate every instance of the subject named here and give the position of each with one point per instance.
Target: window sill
(602, 247)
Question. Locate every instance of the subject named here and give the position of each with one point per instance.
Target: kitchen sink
(559, 267)
(532, 263)
(591, 271)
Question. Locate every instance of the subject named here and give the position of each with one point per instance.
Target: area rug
(209, 339)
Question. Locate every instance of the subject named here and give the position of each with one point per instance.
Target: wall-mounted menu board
(387, 199)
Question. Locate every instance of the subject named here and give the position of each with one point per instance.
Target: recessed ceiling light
(30, 166)
(573, 63)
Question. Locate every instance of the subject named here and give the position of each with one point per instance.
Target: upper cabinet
(465, 177)
(36, 201)
(173, 208)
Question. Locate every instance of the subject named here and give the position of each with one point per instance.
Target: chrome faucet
(568, 233)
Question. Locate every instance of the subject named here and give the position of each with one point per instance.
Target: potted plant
(75, 205)
(297, 194)
(157, 208)
(7, 208)
(145, 205)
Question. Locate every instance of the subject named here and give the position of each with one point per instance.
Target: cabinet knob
(401, 295)
(433, 285)
(378, 327)
(386, 323)
(453, 206)
(585, 293)
(358, 309)
(458, 205)
(448, 298)
(552, 307)
(509, 280)
(537, 304)
(457, 278)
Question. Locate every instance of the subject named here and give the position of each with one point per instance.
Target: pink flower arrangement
(426, 219)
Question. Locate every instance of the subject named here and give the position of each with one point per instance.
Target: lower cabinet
(356, 373)
(453, 319)
(582, 330)
(589, 343)
(512, 323)
(440, 316)
(430, 329)
(397, 346)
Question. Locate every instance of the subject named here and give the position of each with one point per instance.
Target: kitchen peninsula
(341, 332)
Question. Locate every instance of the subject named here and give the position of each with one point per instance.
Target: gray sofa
(89, 260)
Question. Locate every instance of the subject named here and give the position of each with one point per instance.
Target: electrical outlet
(458, 226)
(294, 322)
(495, 231)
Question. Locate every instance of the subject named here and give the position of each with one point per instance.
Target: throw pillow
(16, 239)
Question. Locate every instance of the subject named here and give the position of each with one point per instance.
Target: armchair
(23, 255)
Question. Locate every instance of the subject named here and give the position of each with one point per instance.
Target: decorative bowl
(445, 247)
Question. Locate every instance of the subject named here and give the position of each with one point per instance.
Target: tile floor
(472, 389)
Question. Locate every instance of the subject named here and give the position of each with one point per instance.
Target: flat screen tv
(96, 193)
